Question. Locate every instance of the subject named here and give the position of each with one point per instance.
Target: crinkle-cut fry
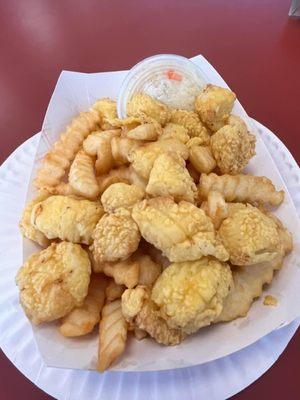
(141, 312)
(93, 142)
(241, 188)
(148, 131)
(27, 229)
(84, 318)
(248, 285)
(121, 174)
(114, 291)
(121, 148)
(112, 335)
(216, 208)
(58, 159)
(82, 176)
(123, 272)
(105, 160)
(202, 159)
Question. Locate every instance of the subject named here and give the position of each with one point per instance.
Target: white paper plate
(219, 379)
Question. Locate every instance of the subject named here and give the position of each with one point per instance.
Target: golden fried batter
(54, 281)
(270, 301)
(82, 176)
(124, 272)
(142, 313)
(67, 218)
(181, 231)
(82, 320)
(190, 295)
(121, 174)
(249, 280)
(232, 148)
(175, 131)
(169, 177)
(107, 110)
(91, 143)
(250, 236)
(112, 335)
(116, 237)
(105, 160)
(142, 104)
(202, 159)
(149, 131)
(241, 188)
(142, 158)
(121, 147)
(193, 124)
(27, 229)
(214, 104)
(121, 195)
(216, 208)
(149, 270)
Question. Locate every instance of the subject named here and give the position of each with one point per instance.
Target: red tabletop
(252, 43)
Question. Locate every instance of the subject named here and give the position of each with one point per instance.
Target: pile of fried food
(148, 224)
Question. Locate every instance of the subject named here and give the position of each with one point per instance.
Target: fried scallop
(143, 157)
(141, 104)
(190, 295)
(27, 229)
(181, 231)
(190, 121)
(175, 131)
(250, 236)
(54, 281)
(232, 148)
(67, 218)
(169, 177)
(214, 104)
(121, 195)
(116, 237)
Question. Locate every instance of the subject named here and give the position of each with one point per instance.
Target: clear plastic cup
(172, 79)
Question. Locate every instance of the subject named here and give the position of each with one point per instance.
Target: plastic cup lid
(172, 79)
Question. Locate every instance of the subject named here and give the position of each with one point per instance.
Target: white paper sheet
(76, 92)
